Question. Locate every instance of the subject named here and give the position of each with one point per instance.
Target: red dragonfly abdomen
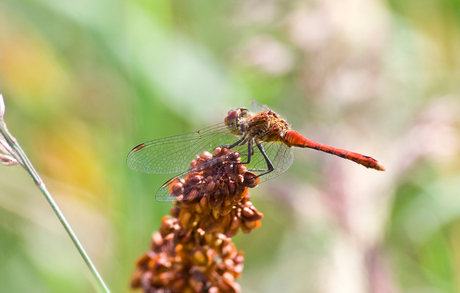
(293, 138)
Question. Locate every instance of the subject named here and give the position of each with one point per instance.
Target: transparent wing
(256, 107)
(164, 193)
(280, 155)
(173, 154)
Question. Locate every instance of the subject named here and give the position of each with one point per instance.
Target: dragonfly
(263, 138)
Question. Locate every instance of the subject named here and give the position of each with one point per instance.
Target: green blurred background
(85, 81)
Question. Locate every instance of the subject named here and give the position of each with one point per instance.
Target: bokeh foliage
(85, 81)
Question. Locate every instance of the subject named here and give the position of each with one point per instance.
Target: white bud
(2, 106)
(8, 160)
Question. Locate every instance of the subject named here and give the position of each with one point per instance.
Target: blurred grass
(86, 81)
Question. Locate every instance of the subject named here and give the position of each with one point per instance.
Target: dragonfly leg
(250, 142)
(270, 167)
(241, 141)
(267, 160)
(250, 152)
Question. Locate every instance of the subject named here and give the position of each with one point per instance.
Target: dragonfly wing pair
(173, 154)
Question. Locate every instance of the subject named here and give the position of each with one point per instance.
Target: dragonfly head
(233, 120)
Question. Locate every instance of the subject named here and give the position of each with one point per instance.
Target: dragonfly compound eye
(232, 121)
(231, 117)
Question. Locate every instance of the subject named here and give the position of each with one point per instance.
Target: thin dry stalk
(11, 153)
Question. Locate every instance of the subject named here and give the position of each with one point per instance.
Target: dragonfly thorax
(267, 126)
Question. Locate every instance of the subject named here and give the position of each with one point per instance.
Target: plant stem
(41, 185)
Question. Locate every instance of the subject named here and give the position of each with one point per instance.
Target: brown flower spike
(193, 251)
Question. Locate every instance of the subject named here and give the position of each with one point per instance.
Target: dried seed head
(247, 212)
(206, 155)
(184, 217)
(192, 194)
(200, 257)
(198, 209)
(157, 240)
(193, 251)
(176, 188)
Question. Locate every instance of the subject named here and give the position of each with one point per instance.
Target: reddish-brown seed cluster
(193, 251)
